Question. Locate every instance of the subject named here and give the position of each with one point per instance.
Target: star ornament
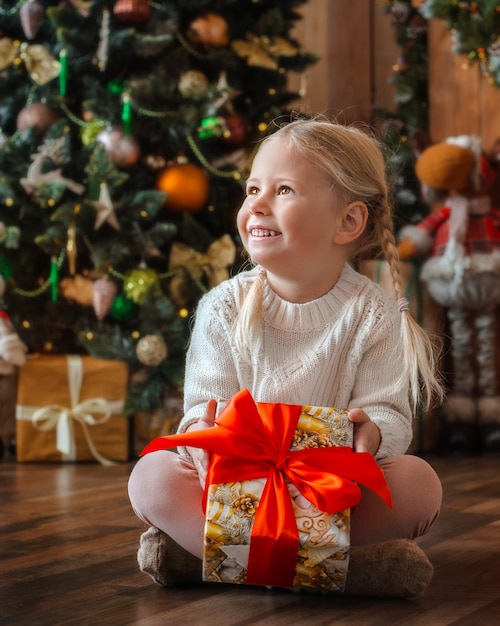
(225, 95)
(105, 210)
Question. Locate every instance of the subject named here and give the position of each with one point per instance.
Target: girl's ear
(352, 225)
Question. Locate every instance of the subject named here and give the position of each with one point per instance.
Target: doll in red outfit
(461, 241)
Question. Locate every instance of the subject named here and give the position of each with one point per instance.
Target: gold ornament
(264, 51)
(77, 288)
(89, 132)
(40, 64)
(213, 264)
(71, 250)
(151, 350)
(192, 83)
(138, 282)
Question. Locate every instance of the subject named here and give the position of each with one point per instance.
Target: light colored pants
(165, 492)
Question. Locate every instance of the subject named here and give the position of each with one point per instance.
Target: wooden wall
(355, 42)
(461, 99)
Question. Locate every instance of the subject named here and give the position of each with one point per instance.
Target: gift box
(281, 482)
(323, 550)
(69, 409)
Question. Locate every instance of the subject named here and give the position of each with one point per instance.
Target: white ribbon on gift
(62, 418)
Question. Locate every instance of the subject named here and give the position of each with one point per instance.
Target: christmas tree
(126, 130)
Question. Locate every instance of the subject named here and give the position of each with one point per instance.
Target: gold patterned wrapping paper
(323, 556)
(69, 409)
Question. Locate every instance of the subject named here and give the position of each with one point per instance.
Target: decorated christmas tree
(126, 130)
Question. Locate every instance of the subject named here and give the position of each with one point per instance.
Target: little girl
(303, 327)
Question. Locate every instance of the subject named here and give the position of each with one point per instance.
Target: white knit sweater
(341, 350)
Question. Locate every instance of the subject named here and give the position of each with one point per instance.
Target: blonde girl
(303, 327)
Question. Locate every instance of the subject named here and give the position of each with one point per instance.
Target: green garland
(475, 28)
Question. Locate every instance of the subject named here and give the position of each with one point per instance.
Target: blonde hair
(354, 162)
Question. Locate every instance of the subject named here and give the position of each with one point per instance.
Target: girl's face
(291, 218)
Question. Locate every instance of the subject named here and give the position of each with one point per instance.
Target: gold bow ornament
(40, 64)
(62, 418)
(264, 51)
(213, 264)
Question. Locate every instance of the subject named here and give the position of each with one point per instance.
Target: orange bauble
(186, 186)
(209, 31)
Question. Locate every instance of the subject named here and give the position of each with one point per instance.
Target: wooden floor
(69, 540)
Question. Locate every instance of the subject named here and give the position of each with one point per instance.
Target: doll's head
(456, 166)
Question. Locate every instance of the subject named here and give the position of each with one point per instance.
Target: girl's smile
(261, 232)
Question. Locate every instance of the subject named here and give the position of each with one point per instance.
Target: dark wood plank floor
(69, 539)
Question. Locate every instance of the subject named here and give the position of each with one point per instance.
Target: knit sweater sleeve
(210, 368)
(378, 386)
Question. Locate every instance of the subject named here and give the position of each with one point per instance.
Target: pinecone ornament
(103, 294)
(31, 15)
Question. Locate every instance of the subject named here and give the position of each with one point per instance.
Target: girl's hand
(201, 457)
(366, 433)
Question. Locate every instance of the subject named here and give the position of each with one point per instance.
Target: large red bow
(253, 441)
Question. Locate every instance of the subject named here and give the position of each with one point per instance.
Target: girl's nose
(259, 204)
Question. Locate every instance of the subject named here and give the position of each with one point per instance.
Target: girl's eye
(284, 190)
(252, 191)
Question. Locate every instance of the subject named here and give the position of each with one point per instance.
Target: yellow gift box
(69, 409)
(324, 538)
(281, 483)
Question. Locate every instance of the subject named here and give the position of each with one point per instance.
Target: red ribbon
(253, 441)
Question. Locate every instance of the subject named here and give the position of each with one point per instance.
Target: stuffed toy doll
(460, 241)
(12, 349)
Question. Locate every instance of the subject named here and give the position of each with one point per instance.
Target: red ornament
(236, 129)
(31, 15)
(186, 186)
(132, 11)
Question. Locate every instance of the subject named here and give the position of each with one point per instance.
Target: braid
(420, 349)
(388, 245)
(249, 317)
